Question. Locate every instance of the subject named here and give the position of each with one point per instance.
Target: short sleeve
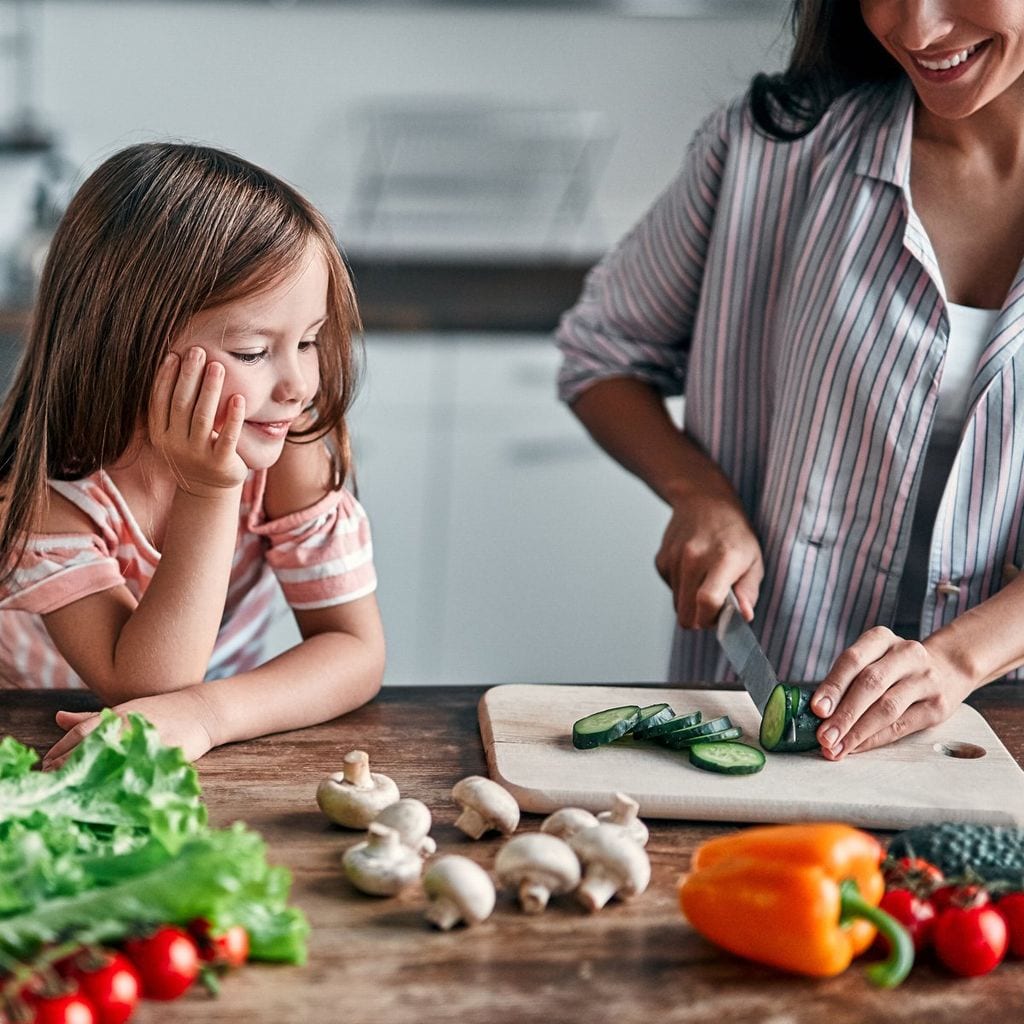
(57, 570)
(321, 555)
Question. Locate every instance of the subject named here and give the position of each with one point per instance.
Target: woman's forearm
(325, 676)
(630, 421)
(167, 642)
(986, 641)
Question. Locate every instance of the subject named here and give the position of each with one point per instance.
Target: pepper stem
(891, 971)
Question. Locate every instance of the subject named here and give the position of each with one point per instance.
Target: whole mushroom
(567, 821)
(382, 864)
(412, 820)
(458, 890)
(624, 813)
(485, 806)
(355, 796)
(613, 865)
(541, 865)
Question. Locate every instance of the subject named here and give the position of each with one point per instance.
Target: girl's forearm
(167, 642)
(630, 421)
(986, 641)
(325, 676)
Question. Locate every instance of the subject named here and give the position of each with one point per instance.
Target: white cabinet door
(401, 439)
(550, 564)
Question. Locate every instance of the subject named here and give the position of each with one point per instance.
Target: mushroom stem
(533, 897)
(443, 913)
(596, 890)
(472, 823)
(356, 767)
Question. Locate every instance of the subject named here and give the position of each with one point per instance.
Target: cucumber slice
(604, 726)
(675, 741)
(788, 724)
(726, 758)
(674, 724)
(684, 737)
(650, 716)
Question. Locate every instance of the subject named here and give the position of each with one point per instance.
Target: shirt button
(947, 587)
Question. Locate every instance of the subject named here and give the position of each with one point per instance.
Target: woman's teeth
(948, 62)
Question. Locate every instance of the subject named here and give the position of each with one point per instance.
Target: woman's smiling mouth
(949, 65)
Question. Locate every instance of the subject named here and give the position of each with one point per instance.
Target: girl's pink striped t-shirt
(318, 556)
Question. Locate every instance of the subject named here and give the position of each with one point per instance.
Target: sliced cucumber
(650, 716)
(684, 737)
(726, 758)
(788, 724)
(674, 724)
(604, 726)
(676, 741)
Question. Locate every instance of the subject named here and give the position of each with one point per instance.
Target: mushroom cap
(412, 819)
(485, 804)
(610, 850)
(463, 884)
(382, 864)
(541, 858)
(355, 806)
(567, 821)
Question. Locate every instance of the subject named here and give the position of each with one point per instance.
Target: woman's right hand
(707, 548)
(183, 424)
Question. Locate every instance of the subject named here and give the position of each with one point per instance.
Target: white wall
(278, 83)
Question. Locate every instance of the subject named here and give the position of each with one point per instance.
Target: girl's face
(267, 344)
(959, 54)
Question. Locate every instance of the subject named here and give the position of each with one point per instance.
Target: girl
(837, 277)
(175, 438)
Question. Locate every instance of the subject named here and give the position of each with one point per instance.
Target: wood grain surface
(374, 961)
(527, 735)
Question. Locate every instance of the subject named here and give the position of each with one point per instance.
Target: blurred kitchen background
(475, 158)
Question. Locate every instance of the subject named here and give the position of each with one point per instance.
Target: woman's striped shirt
(789, 289)
(319, 556)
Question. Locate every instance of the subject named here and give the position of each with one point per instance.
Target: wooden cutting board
(957, 771)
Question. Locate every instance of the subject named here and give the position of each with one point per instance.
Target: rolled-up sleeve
(321, 555)
(55, 571)
(635, 315)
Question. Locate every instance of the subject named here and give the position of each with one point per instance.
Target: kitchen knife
(744, 652)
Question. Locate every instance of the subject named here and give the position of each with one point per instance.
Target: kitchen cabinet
(508, 547)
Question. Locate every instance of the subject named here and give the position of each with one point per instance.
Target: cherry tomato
(68, 1008)
(230, 947)
(958, 896)
(110, 982)
(915, 914)
(167, 962)
(970, 940)
(1011, 906)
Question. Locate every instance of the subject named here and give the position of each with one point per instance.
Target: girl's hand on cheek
(178, 717)
(881, 688)
(182, 419)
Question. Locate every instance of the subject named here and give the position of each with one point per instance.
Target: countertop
(375, 961)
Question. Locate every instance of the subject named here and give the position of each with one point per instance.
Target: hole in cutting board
(969, 750)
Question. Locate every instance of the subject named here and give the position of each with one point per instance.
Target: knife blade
(744, 652)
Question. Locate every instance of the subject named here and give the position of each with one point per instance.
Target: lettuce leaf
(117, 839)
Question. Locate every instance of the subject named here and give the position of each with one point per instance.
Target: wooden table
(375, 961)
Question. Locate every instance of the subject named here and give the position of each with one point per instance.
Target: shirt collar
(883, 151)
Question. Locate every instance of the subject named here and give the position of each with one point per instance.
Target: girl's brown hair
(157, 233)
(833, 52)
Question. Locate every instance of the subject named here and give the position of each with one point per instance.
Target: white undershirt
(969, 333)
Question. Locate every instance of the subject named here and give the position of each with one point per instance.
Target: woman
(835, 277)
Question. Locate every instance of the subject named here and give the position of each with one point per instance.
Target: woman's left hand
(881, 688)
(178, 717)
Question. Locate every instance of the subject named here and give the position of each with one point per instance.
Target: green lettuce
(117, 839)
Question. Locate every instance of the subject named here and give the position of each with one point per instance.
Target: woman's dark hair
(833, 52)
(156, 234)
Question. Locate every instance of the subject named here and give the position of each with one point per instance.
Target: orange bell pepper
(800, 897)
